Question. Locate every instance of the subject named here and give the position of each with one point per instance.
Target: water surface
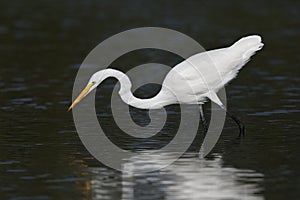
(42, 43)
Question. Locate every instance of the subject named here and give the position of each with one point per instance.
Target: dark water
(42, 43)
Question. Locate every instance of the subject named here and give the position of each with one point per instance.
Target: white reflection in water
(187, 178)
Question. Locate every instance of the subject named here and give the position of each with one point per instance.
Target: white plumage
(192, 81)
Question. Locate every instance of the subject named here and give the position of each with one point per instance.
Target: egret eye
(93, 82)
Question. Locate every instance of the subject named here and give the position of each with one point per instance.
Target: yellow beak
(81, 95)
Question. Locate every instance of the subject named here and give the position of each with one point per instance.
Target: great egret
(192, 81)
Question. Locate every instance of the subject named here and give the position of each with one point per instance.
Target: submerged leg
(214, 97)
(238, 122)
(203, 120)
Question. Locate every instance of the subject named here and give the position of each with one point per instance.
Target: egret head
(92, 84)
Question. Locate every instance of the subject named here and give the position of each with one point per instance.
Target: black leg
(238, 122)
(203, 120)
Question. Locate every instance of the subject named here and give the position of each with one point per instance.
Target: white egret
(192, 81)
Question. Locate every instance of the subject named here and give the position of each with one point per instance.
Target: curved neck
(156, 102)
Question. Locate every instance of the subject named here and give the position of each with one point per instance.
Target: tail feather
(247, 46)
(241, 51)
